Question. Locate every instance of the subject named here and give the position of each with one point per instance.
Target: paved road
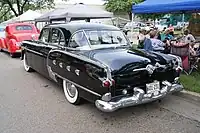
(30, 103)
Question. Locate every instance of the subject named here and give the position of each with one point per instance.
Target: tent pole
(183, 20)
(183, 17)
(132, 17)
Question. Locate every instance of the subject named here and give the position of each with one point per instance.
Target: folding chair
(189, 62)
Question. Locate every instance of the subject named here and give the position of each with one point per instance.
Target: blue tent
(166, 6)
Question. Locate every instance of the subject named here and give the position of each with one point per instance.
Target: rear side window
(44, 36)
(23, 27)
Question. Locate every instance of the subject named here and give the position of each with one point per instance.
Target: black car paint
(122, 62)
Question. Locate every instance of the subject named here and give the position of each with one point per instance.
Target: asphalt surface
(29, 103)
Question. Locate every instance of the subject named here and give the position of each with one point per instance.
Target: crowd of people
(161, 41)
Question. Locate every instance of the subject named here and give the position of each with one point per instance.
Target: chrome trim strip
(33, 51)
(140, 69)
(79, 86)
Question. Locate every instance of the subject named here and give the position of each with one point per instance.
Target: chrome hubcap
(71, 90)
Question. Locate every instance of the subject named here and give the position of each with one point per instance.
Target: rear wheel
(71, 93)
(26, 67)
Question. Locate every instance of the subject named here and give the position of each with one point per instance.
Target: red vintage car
(14, 35)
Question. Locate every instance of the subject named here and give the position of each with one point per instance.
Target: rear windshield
(23, 27)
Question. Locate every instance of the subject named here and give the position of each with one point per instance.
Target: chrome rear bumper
(139, 97)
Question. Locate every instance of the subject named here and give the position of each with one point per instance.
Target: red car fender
(12, 46)
(1, 43)
(4, 43)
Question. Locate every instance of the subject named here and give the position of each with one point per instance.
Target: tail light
(108, 83)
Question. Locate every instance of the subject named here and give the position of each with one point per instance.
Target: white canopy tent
(25, 17)
(86, 2)
(75, 12)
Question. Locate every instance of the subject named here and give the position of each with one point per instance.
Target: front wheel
(26, 67)
(71, 93)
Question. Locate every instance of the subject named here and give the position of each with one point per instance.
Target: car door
(70, 64)
(61, 61)
(38, 57)
(56, 41)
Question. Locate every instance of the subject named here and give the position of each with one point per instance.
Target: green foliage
(120, 5)
(150, 16)
(179, 17)
(191, 82)
(18, 7)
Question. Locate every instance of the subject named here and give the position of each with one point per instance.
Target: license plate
(153, 88)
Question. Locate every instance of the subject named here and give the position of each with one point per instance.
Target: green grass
(191, 82)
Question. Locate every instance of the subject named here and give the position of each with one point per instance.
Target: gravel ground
(29, 103)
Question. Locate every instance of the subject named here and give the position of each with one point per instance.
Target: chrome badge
(77, 72)
(61, 65)
(54, 62)
(68, 68)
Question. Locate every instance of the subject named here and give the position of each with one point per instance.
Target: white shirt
(189, 39)
(141, 37)
(157, 44)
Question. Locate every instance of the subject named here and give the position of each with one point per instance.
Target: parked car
(14, 35)
(136, 25)
(95, 62)
(2, 35)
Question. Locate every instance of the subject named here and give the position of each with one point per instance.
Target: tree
(19, 6)
(118, 6)
(4, 12)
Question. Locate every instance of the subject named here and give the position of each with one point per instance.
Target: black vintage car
(96, 62)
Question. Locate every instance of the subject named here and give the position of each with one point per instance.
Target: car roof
(15, 24)
(73, 26)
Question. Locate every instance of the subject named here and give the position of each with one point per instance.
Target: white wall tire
(71, 93)
(26, 67)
